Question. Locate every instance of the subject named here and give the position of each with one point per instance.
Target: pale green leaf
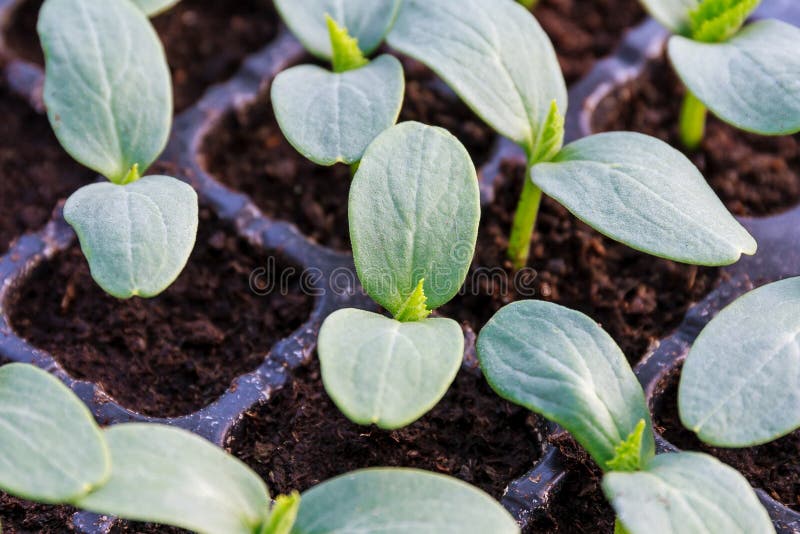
(492, 53)
(686, 493)
(167, 475)
(155, 7)
(559, 363)
(107, 85)
(283, 514)
(717, 20)
(52, 450)
(740, 385)
(551, 137)
(136, 237)
(674, 14)
(379, 370)
(751, 81)
(414, 210)
(640, 191)
(332, 117)
(415, 307)
(628, 454)
(346, 53)
(400, 501)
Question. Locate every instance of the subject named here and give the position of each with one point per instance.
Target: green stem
(693, 121)
(530, 4)
(354, 169)
(519, 243)
(619, 528)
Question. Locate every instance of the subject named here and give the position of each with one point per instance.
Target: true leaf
(642, 192)
(52, 450)
(684, 493)
(494, 54)
(559, 363)
(283, 514)
(740, 385)
(170, 476)
(346, 53)
(382, 371)
(399, 501)
(414, 210)
(717, 20)
(107, 85)
(332, 117)
(674, 14)
(751, 81)
(136, 237)
(154, 7)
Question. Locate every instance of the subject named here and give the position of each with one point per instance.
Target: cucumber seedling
(560, 364)
(109, 100)
(631, 187)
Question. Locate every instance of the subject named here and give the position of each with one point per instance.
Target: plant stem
(530, 4)
(354, 169)
(693, 121)
(619, 528)
(519, 243)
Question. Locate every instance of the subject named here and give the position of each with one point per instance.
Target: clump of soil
(753, 175)
(173, 354)
(22, 517)
(133, 527)
(299, 438)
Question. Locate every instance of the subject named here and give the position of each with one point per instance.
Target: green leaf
(283, 514)
(155, 7)
(107, 86)
(136, 237)
(673, 14)
(366, 20)
(400, 501)
(551, 138)
(717, 20)
(52, 450)
(415, 307)
(642, 192)
(332, 118)
(414, 211)
(379, 370)
(740, 385)
(685, 493)
(170, 476)
(751, 81)
(559, 363)
(346, 53)
(493, 54)
(627, 455)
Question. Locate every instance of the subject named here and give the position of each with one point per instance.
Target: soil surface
(299, 438)
(752, 174)
(173, 354)
(205, 40)
(23, 517)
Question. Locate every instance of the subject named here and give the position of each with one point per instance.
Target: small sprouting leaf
(52, 449)
(414, 211)
(136, 237)
(627, 455)
(751, 81)
(493, 54)
(332, 118)
(367, 20)
(640, 191)
(395, 501)
(415, 307)
(283, 514)
(379, 370)
(346, 53)
(739, 386)
(170, 476)
(674, 14)
(551, 137)
(107, 84)
(686, 492)
(152, 8)
(714, 21)
(559, 363)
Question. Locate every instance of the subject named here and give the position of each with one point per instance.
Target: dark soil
(753, 175)
(299, 438)
(132, 527)
(774, 467)
(637, 298)
(23, 517)
(173, 354)
(205, 40)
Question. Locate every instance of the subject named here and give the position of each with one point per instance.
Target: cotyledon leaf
(136, 237)
(674, 14)
(154, 7)
(332, 117)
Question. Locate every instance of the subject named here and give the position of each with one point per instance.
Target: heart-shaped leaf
(332, 117)
(740, 385)
(674, 14)
(399, 501)
(366, 20)
(154, 7)
(644, 193)
(170, 476)
(414, 211)
(52, 450)
(383, 371)
(559, 363)
(107, 85)
(683, 493)
(493, 54)
(136, 237)
(751, 81)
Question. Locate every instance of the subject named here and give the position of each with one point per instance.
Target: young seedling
(630, 187)
(109, 100)
(559, 363)
(53, 452)
(414, 211)
(331, 117)
(749, 78)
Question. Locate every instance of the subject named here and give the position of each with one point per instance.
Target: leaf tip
(415, 306)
